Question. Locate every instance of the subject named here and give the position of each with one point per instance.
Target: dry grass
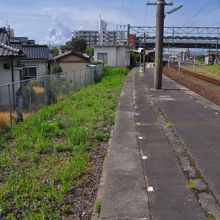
(38, 89)
(5, 119)
(3, 122)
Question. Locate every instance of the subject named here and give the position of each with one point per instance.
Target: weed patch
(98, 207)
(44, 158)
(169, 125)
(191, 184)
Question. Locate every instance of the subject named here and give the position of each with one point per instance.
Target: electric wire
(197, 13)
(205, 16)
(122, 12)
(130, 9)
(145, 16)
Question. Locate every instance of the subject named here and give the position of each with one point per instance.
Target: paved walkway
(164, 158)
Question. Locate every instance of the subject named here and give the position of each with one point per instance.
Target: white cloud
(58, 33)
(81, 28)
(55, 23)
(67, 19)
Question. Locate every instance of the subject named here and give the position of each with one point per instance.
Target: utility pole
(159, 45)
(144, 51)
(128, 34)
(216, 57)
(159, 42)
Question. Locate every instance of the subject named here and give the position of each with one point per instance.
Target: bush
(56, 69)
(134, 58)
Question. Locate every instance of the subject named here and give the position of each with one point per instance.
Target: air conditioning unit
(6, 66)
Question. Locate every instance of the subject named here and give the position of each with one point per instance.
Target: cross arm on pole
(152, 3)
(159, 2)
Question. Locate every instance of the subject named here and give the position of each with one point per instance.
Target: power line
(122, 11)
(197, 13)
(145, 15)
(210, 13)
(129, 9)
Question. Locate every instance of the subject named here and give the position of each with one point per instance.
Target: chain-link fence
(20, 99)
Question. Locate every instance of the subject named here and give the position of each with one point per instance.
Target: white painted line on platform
(145, 177)
(150, 189)
(164, 96)
(138, 124)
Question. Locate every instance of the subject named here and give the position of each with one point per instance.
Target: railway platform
(164, 157)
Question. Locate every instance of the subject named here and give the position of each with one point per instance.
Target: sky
(52, 21)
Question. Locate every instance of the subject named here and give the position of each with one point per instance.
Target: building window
(103, 57)
(30, 72)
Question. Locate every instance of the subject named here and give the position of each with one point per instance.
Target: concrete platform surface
(164, 158)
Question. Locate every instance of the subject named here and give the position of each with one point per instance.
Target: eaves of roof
(57, 58)
(7, 51)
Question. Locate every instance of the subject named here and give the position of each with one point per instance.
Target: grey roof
(16, 45)
(23, 40)
(33, 52)
(6, 51)
(36, 52)
(22, 45)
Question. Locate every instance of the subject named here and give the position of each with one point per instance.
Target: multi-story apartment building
(91, 37)
(103, 33)
(102, 36)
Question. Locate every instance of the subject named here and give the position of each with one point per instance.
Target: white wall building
(113, 56)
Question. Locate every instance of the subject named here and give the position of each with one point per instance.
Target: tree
(64, 48)
(79, 45)
(54, 51)
(76, 45)
(90, 51)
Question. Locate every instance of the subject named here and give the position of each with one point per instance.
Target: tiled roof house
(20, 59)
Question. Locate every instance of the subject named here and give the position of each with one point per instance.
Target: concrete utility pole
(144, 51)
(216, 57)
(159, 42)
(128, 34)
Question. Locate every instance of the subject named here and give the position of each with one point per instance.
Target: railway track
(203, 85)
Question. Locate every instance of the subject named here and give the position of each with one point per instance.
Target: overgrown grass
(42, 159)
(212, 71)
(169, 125)
(98, 207)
